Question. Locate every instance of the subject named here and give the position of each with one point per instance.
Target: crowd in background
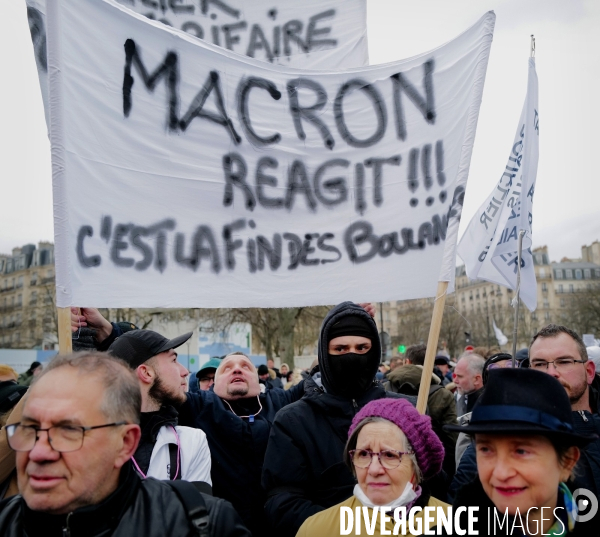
(104, 442)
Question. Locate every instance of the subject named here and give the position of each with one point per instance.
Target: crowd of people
(119, 439)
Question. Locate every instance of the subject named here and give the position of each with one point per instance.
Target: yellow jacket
(327, 523)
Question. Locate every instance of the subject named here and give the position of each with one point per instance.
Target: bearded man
(560, 352)
(166, 450)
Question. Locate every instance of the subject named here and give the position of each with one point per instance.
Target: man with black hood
(303, 472)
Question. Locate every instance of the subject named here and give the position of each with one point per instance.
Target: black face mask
(349, 375)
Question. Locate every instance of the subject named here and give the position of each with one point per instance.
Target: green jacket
(25, 378)
(441, 406)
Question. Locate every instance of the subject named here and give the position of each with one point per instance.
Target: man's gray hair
(475, 363)
(122, 398)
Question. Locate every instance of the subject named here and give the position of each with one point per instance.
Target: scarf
(566, 515)
(407, 498)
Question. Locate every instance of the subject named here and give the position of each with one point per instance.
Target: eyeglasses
(62, 438)
(389, 458)
(561, 364)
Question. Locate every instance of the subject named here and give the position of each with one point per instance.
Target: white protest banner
(508, 210)
(312, 34)
(189, 176)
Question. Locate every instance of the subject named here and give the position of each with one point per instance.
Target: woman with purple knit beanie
(391, 450)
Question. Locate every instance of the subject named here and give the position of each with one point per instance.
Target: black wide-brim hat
(524, 402)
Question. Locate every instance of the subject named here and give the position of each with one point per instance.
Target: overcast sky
(567, 58)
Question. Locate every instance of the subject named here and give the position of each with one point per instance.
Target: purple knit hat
(428, 449)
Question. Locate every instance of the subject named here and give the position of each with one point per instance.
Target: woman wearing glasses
(392, 451)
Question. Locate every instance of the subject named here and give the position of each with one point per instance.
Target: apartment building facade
(477, 305)
(28, 317)
(28, 305)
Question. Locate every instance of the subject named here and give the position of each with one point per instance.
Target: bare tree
(454, 325)
(272, 328)
(307, 328)
(414, 319)
(582, 312)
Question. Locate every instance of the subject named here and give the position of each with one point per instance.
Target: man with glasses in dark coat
(560, 352)
(78, 431)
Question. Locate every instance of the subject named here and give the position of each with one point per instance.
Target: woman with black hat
(526, 452)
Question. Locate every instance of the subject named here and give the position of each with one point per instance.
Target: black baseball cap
(137, 346)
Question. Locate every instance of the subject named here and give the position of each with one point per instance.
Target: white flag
(490, 244)
(502, 339)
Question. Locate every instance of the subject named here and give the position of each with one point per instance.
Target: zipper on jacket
(66, 530)
(355, 405)
(582, 414)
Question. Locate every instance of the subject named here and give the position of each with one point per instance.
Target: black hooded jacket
(304, 471)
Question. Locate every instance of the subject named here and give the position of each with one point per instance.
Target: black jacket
(148, 508)
(237, 447)
(151, 424)
(271, 384)
(467, 402)
(587, 473)
(303, 472)
(473, 495)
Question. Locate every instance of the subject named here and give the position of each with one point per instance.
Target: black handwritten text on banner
(186, 175)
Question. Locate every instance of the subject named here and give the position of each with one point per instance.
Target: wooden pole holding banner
(65, 344)
(432, 342)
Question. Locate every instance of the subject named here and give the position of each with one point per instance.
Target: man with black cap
(443, 365)
(166, 450)
(264, 377)
(303, 471)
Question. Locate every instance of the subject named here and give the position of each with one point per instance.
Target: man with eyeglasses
(560, 352)
(205, 377)
(78, 431)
